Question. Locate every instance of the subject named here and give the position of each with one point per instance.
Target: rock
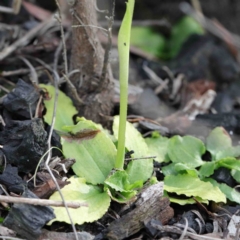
(27, 220)
(11, 180)
(24, 143)
(150, 106)
(22, 100)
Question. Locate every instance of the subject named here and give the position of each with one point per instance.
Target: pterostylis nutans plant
(123, 49)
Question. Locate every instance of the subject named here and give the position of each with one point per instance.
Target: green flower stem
(123, 49)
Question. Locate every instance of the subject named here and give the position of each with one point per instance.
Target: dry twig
(40, 202)
(20, 71)
(58, 51)
(75, 95)
(26, 38)
(140, 158)
(59, 19)
(109, 44)
(56, 80)
(16, 4)
(34, 76)
(209, 25)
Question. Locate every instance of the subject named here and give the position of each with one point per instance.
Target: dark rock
(209, 227)
(24, 143)
(232, 209)
(27, 220)
(55, 142)
(229, 121)
(223, 175)
(227, 100)
(202, 57)
(222, 64)
(223, 103)
(203, 124)
(150, 106)
(11, 180)
(192, 223)
(22, 100)
(150, 229)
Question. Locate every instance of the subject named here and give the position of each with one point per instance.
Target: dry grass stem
(16, 5)
(26, 38)
(40, 202)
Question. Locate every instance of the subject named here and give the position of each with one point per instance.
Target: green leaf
(158, 147)
(169, 169)
(192, 186)
(187, 150)
(236, 175)
(138, 170)
(120, 197)
(142, 36)
(175, 168)
(65, 109)
(134, 139)
(183, 168)
(165, 48)
(119, 181)
(207, 169)
(229, 163)
(93, 150)
(186, 201)
(219, 144)
(98, 202)
(182, 201)
(153, 180)
(181, 31)
(119, 187)
(230, 193)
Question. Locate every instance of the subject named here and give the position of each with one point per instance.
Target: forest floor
(188, 86)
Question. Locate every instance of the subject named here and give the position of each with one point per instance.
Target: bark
(149, 205)
(88, 56)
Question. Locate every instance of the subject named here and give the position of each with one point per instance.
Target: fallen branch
(149, 205)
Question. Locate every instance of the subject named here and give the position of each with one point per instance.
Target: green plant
(188, 174)
(99, 168)
(123, 49)
(101, 175)
(97, 182)
(161, 46)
